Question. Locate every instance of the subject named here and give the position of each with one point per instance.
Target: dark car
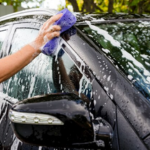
(94, 93)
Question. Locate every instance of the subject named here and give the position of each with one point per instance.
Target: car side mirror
(58, 120)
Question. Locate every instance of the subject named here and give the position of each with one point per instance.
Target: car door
(44, 75)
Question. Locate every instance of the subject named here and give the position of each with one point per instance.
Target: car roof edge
(39, 11)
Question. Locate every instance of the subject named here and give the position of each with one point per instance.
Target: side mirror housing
(57, 120)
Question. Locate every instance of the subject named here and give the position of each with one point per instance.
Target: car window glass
(35, 78)
(22, 37)
(128, 46)
(69, 79)
(2, 37)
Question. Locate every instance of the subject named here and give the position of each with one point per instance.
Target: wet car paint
(114, 99)
(116, 86)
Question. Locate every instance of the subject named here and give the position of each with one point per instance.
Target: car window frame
(6, 40)
(15, 26)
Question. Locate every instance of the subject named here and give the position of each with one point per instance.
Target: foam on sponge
(66, 21)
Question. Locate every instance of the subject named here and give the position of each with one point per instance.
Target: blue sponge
(66, 21)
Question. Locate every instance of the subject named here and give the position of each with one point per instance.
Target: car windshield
(127, 45)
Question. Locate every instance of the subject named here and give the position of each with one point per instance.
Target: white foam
(45, 39)
(105, 34)
(106, 50)
(145, 56)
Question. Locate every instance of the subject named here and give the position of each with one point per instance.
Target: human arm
(13, 63)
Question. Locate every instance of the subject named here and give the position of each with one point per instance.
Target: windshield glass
(127, 45)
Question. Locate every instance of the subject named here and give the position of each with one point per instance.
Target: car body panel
(130, 101)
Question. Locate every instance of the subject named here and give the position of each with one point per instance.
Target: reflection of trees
(132, 56)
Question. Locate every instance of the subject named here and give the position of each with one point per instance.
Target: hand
(47, 32)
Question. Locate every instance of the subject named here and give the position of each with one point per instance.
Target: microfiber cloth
(66, 21)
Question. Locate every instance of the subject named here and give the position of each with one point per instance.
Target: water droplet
(94, 102)
(12, 117)
(36, 120)
(23, 118)
(111, 96)
(49, 120)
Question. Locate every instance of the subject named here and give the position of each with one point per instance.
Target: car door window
(127, 45)
(2, 37)
(22, 37)
(35, 78)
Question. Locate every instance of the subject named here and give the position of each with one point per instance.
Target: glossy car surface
(105, 61)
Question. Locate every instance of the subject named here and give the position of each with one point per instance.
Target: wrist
(36, 46)
(36, 50)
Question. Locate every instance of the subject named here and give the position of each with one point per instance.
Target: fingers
(48, 31)
(54, 18)
(54, 28)
(50, 36)
(51, 21)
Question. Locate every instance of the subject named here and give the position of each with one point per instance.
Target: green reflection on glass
(128, 45)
